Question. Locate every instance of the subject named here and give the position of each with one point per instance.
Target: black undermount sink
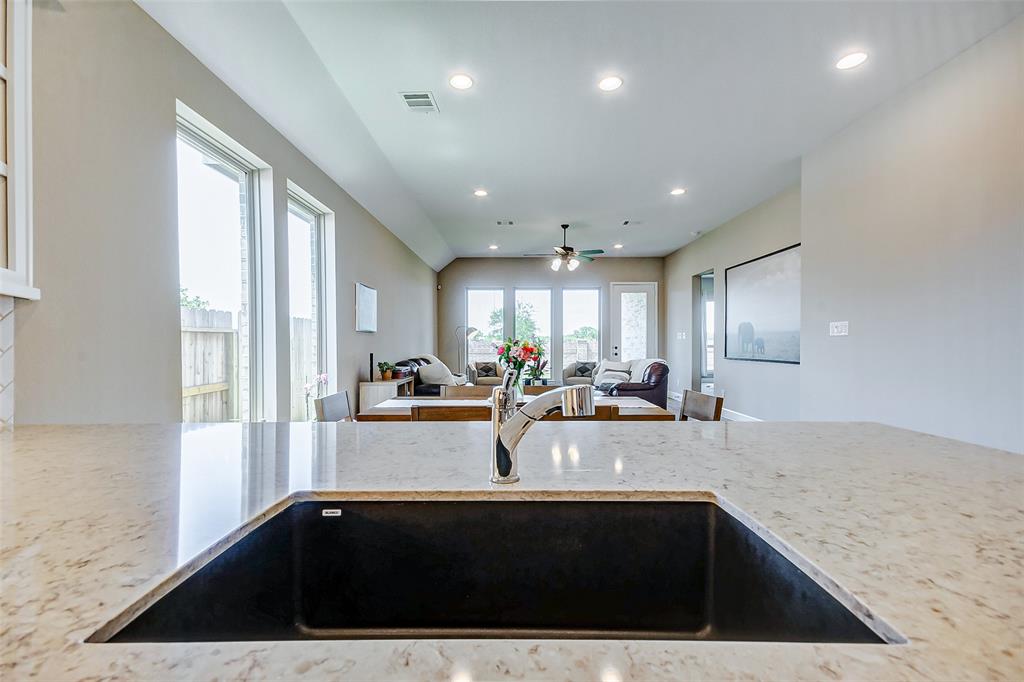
(473, 569)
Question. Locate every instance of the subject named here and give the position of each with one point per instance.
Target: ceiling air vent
(419, 101)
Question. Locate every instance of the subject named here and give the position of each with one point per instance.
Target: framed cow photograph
(762, 308)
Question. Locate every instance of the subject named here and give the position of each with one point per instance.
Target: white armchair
(571, 375)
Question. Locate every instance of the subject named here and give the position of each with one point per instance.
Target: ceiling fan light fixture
(572, 264)
(556, 264)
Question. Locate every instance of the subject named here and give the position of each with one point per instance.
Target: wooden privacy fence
(209, 366)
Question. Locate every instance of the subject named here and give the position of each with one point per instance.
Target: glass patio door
(634, 320)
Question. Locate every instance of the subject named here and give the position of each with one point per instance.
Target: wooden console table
(375, 392)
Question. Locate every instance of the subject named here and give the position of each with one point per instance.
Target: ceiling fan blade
(592, 252)
(563, 249)
(588, 259)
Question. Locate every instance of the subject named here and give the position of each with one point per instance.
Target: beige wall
(757, 389)
(103, 343)
(508, 273)
(6, 362)
(913, 231)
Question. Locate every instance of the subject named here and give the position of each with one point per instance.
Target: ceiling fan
(567, 254)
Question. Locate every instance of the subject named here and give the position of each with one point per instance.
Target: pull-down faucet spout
(508, 426)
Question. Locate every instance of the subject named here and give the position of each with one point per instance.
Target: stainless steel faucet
(508, 426)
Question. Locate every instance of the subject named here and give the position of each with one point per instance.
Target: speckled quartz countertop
(927, 533)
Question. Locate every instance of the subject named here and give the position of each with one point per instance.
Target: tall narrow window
(485, 324)
(581, 322)
(305, 303)
(215, 247)
(15, 160)
(533, 319)
(4, 127)
(707, 302)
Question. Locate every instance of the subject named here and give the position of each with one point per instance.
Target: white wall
(509, 273)
(757, 389)
(913, 231)
(103, 344)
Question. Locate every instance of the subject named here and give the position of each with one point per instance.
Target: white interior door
(634, 318)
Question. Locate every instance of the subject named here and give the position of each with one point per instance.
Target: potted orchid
(536, 370)
(315, 389)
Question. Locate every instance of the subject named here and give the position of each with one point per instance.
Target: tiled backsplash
(6, 362)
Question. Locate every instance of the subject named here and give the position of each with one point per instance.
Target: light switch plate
(680, 336)
(839, 328)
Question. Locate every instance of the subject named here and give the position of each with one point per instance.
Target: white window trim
(262, 342)
(561, 323)
(465, 319)
(326, 283)
(17, 278)
(555, 344)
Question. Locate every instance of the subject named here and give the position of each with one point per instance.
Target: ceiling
(719, 98)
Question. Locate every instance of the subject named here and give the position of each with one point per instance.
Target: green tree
(526, 325)
(193, 302)
(585, 333)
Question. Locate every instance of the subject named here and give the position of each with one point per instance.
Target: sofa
(420, 387)
(648, 380)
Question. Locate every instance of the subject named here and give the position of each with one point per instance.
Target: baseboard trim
(731, 416)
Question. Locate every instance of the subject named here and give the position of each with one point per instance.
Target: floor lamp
(467, 334)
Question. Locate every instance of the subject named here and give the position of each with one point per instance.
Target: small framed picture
(366, 308)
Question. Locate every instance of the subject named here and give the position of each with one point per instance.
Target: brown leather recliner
(653, 387)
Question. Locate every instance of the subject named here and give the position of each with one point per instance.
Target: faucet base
(505, 479)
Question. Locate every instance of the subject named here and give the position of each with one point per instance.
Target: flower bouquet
(516, 353)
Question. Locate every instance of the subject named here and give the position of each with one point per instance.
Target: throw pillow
(616, 366)
(487, 369)
(611, 376)
(585, 369)
(436, 373)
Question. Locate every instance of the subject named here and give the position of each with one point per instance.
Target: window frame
(200, 139)
(550, 369)
(16, 275)
(465, 318)
(318, 219)
(600, 323)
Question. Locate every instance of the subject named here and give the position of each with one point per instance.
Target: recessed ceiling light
(479, 192)
(493, 247)
(852, 61)
(617, 246)
(460, 81)
(610, 83)
(677, 191)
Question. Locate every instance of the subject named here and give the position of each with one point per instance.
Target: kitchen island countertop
(926, 533)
